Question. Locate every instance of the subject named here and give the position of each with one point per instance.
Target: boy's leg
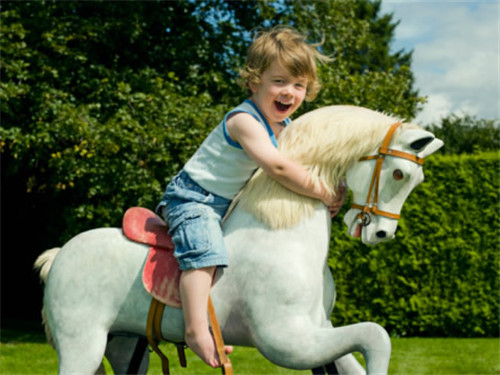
(195, 287)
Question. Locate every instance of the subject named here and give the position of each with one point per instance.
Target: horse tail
(42, 265)
(44, 262)
(46, 327)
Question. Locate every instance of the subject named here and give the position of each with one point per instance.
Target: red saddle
(161, 273)
(161, 277)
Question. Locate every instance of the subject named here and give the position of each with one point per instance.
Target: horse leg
(127, 354)
(344, 365)
(329, 369)
(298, 345)
(318, 371)
(81, 353)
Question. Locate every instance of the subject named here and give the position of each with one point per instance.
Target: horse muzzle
(370, 228)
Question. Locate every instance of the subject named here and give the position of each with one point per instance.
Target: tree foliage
(467, 134)
(102, 102)
(364, 72)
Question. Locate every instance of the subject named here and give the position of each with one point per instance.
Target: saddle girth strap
(153, 332)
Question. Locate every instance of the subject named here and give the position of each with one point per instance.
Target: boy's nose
(287, 90)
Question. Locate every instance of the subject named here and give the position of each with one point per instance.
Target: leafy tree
(364, 72)
(467, 134)
(353, 32)
(102, 101)
(81, 106)
(96, 96)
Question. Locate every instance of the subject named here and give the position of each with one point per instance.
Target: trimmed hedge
(440, 276)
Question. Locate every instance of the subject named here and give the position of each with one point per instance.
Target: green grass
(23, 351)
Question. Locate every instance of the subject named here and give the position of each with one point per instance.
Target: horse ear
(422, 142)
(431, 147)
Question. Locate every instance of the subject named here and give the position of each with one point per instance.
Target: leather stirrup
(226, 366)
(153, 333)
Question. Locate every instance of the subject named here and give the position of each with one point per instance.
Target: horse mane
(326, 141)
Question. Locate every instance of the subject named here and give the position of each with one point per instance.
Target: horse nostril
(381, 234)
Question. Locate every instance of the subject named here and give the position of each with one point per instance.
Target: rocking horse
(277, 295)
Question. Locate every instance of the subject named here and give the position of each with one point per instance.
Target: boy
(280, 73)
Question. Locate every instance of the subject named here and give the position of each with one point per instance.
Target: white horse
(277, 294)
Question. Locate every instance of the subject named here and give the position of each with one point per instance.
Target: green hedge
(440, 276)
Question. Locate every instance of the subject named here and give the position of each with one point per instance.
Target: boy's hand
(339, 199)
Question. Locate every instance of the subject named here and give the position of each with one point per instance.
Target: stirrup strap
(181, 353)
(153, 332)
(227, 369)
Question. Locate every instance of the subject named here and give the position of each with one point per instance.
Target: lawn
(23, 350)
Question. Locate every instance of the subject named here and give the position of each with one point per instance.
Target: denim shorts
(194, 218)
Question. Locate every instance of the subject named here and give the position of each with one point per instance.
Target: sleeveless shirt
(220, 165)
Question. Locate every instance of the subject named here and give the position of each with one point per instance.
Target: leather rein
(370, 207)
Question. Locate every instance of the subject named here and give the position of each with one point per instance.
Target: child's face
(279, 94)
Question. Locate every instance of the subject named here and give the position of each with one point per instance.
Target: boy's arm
(245, 130)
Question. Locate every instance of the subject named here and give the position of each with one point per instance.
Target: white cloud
(437, 106)
(456, 54)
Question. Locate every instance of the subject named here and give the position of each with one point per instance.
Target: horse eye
(398, 174)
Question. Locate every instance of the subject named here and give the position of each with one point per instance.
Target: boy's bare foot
(203, 345)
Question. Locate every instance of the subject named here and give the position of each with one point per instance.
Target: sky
(456, 51)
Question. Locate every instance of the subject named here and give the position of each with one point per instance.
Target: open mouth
(357, 231)
(282, 107)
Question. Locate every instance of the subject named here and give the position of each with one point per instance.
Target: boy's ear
(253, 86)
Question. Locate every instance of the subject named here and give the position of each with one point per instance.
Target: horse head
(330, 142)
(395, 169)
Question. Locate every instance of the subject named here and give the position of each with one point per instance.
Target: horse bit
(370, 207)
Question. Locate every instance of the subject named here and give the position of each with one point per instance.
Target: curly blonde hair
(291, 50)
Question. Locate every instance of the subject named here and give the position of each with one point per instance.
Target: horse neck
(306, 242)
(327, 142)
(281, 208)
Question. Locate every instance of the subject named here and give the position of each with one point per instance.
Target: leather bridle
(370, 207)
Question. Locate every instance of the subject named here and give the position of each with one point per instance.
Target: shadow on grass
(18, 331)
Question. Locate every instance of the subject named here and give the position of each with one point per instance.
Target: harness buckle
(365, 217)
